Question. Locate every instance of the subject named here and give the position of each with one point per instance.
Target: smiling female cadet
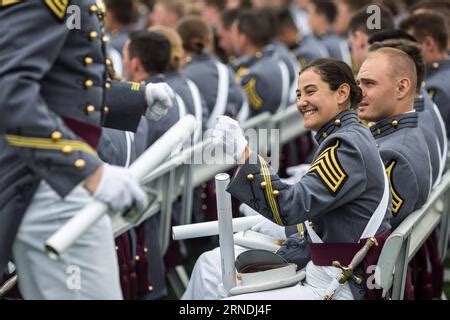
(342, 199)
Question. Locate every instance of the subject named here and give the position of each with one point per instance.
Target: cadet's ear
(136, 65)
(343, 93)
(428, 44)
(403, 87)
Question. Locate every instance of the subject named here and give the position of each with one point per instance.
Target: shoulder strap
(222, 94)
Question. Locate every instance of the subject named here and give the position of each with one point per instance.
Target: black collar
(387, 126)
(419, 103)
(341, 120)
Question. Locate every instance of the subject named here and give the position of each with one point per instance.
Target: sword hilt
(347, 272)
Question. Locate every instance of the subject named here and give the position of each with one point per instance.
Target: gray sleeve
(336, 177)
(403, 185)
(126, 104)
(29, 29)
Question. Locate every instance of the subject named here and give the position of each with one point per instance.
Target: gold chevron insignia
(240, 73)
(4, 3)
(253, 97)
(397, 201)
(329, 170)
(58, 7)
(135, 86)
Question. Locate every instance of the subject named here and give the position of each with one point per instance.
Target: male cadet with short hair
(121, 19)
(142, 66)
(286, 60)
(306, 48)
(55, 97)
(322, 14)
(430, 30)
(257, 71)
(388, 82)
(429, 120)
(359, 33)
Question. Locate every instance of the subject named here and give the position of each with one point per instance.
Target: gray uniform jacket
(203, 71)
(53, 102)
(431, 134)
(438, 87)
(178, 81)
(260, 76)
(310, 49)
(405, 155)
(338, 195)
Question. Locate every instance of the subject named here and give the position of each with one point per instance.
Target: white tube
(147, 162)
(211, 228)
(226, 242)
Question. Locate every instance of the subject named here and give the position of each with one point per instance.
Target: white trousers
(87, 270)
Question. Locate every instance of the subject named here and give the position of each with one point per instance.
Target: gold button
(107, 85)
(395, 123)
(204, 207)
(435, 65)
(263, 184)
(56, 135)
(312, 224)
(90, 108)
(250, 177)
(337, 122)
(258, 55)
(93, 35)
(67, 149)
(203, 196)
(137, 258)
(88, 60)
(325, 135)
(276, 193)
(93, 9)
(378, 131)
(105, 39)
(108, 62)
(80, 164)
(204, 185)
(117, 248)
(105, 109)
(145, 250)
(150, 288)
(88, 83)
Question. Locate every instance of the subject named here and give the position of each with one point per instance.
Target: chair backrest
(409, 236)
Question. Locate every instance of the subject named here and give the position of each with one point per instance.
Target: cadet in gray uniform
(388, 101)
(257, 71)
(185, 88)
(306, 48)
(322, 14)
(287, 62)
(426, 121)
(121, 20)
(431, 28)
(140, 66)
(343, 189)
(215, 80)
(55, 97)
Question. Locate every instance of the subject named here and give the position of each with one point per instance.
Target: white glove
(228, 133)
(247, 210)
(159, 98)
(270, 228)
(120, 190)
